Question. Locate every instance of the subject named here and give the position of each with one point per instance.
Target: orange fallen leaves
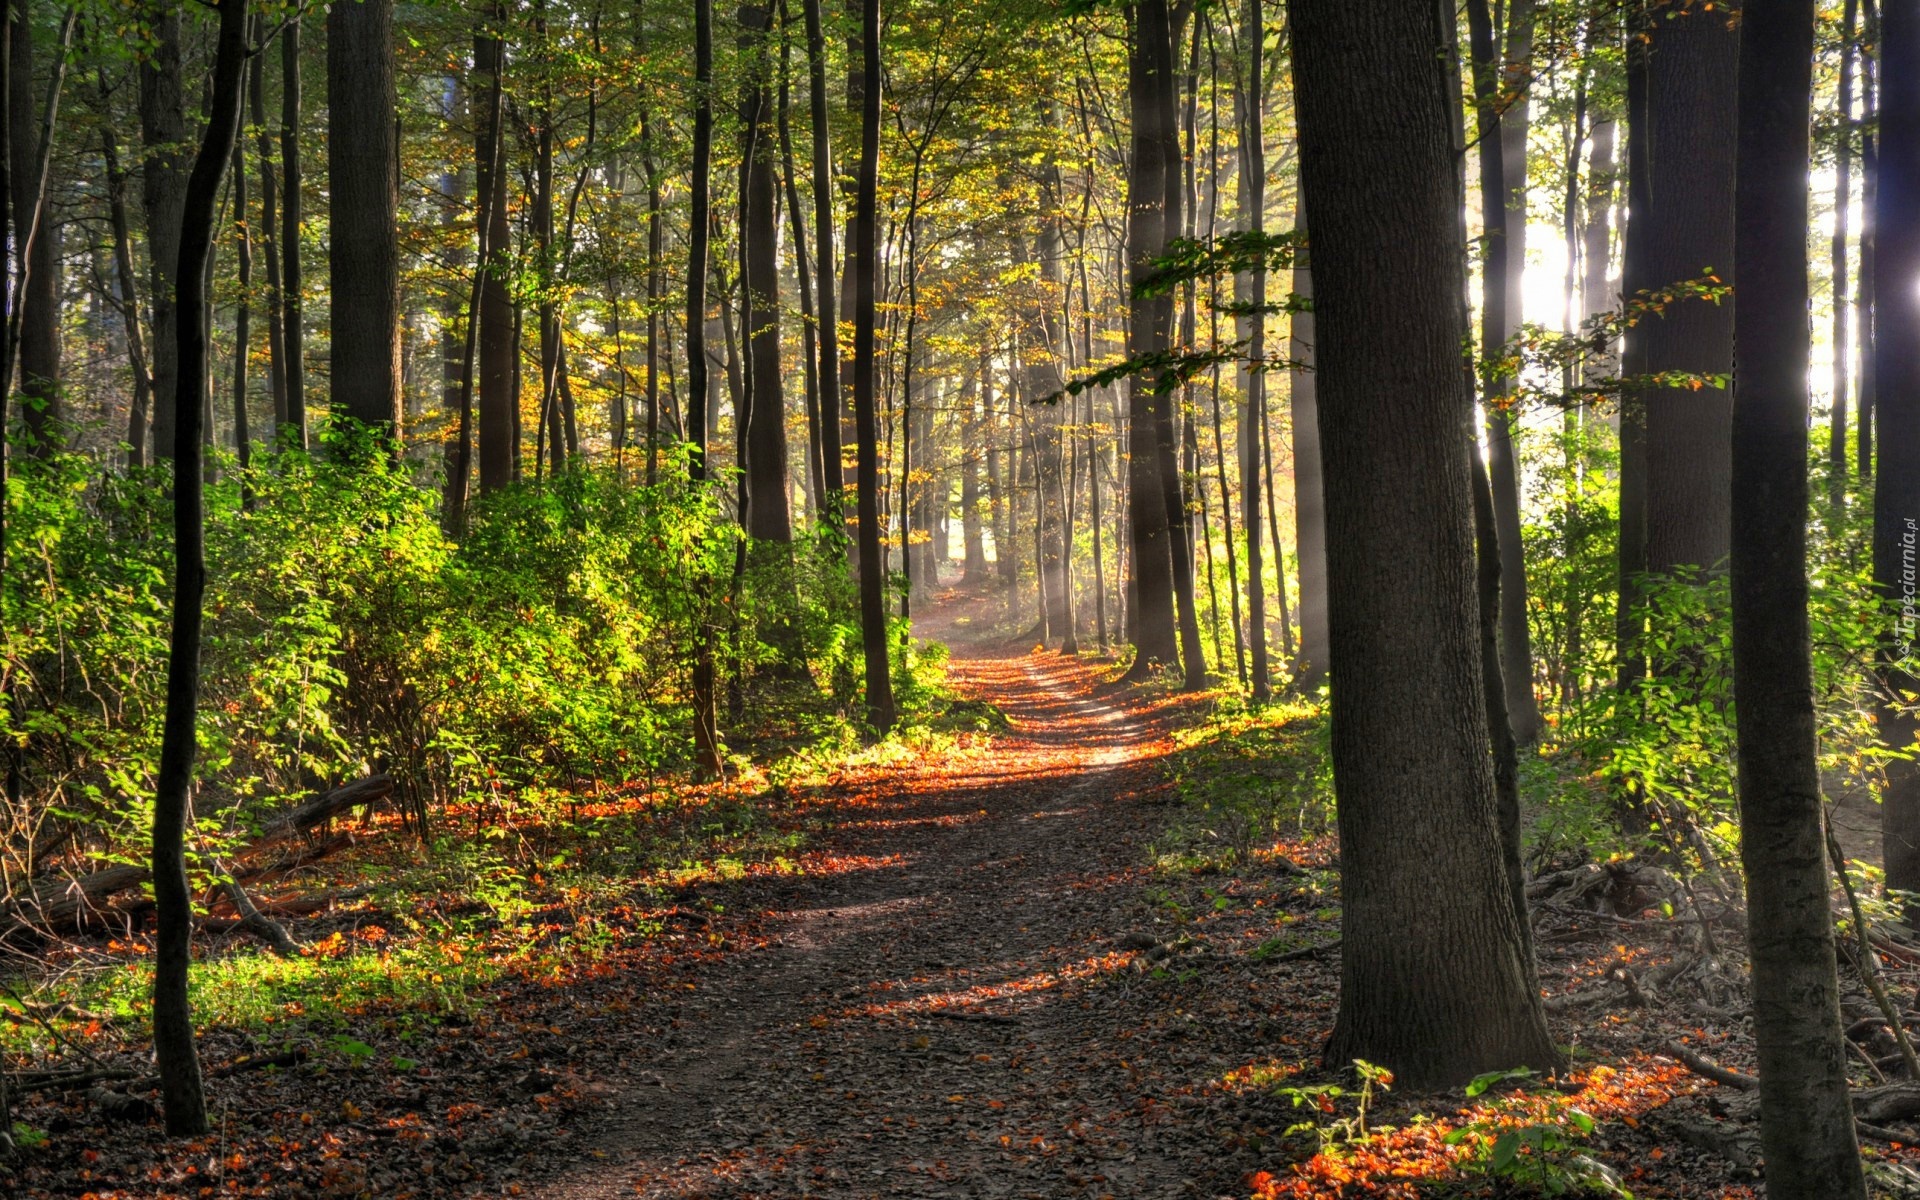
(1391, 1164)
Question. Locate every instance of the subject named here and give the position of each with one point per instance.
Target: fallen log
(70, 903)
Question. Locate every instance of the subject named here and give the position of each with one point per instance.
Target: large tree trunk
(498, 337)
(1153, 91)
(163, 177)
(769, 514)
(179, 1062)
(1420, 849)
(364, 249)
(1896, 492)
(1692, 62)
(37, 252)
(1806, 1119)
(864, 266)
(292, 335)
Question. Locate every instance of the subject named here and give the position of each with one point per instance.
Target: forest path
(947, 1016)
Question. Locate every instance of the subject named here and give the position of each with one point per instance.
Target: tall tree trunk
(1503, 219)
(816, 477)
(1865, 309)
(1692, 63)
(864, 265)
(1253, 383)
(1309, 499)
(179, 1062)
(706, 731)
(769, 517)
(36, 247)
(1806, 1116)
(269, 240)
(243, 307)
(163, 176)
(972, 434)
(292, 335)
(1842, 334)
(498, 337)
(1418, 833)
(1631, 552)
(1896, 491)
(363, 257)
(142, 402)
(832, 448)
(1152, 89)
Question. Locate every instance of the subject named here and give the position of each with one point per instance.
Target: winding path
(949, 1016)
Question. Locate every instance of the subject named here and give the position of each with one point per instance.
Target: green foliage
(1319, 1101)
(1247, 775)
(347, 633)
(1532, 1141)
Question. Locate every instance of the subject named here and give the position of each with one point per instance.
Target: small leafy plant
(1533, 1140)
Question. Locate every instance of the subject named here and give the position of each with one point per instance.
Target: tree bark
(141, 405)
(36, 250)
(1420, 846)
(832, 448)
(1896, 490)
(769, 516)
(706, 731)
(163, 129)
(1806, 1118)
(1503, 220)
(269, 240)
(363, 257)
(498, 337)
(179, 1062)
(864, 265)
(1309, 499)
(1692, 63)
(1152, 90)
(1842, 311)
(292, 335)
(1253, 327)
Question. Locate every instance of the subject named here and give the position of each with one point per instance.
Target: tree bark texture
(1806, 1117)
(363, 255)
(1434, 976)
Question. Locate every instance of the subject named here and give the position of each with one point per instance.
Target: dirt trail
(952, 1017)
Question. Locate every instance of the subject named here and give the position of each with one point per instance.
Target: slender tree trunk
(864, 265)
(294, 431)
(1866, 309)
(498, 337)
(1418, 832)
(769, 517)
(141, 406)
(1309, 500)
(269, 239)
(803, 279)
(1896, 492)
(706, 731)
(1842, 334)
(831, 445)
(1503, 218)
(1806, 1117)
(179, 1062)
(363, 257)
(972, 434)
(163, 128)
(243, 307)
(1253, 201)
(36, 247)
(1152, 90)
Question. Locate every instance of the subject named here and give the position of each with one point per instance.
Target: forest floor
(979, 976)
